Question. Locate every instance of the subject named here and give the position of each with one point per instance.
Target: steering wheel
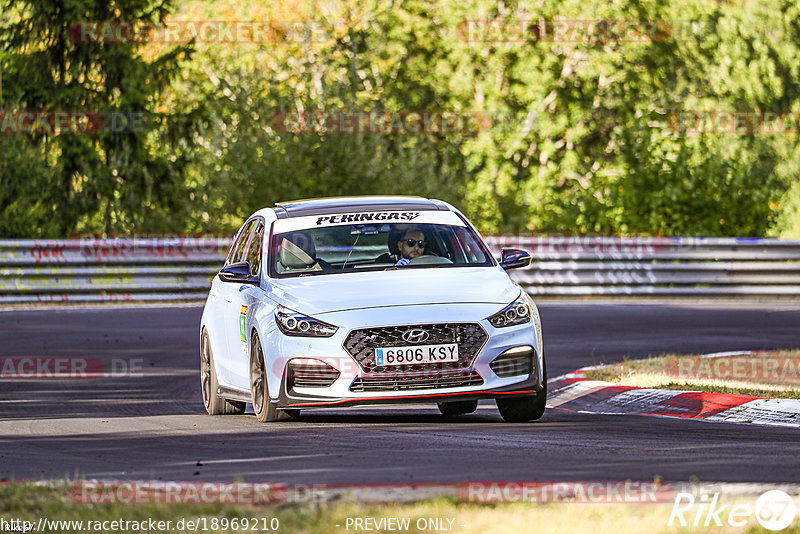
(428, 259)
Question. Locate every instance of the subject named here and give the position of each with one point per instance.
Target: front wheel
(265, 411)
(209, 383)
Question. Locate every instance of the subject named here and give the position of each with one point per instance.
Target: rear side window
(253, 250)
(239, 243)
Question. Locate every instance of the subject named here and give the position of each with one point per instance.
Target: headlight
(518, 312)
(296, 324)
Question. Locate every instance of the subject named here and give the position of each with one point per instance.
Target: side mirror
(238, 273)
(513, 258)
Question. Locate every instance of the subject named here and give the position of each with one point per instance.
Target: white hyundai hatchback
(369, 300)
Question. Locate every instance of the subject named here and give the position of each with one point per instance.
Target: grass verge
(766, 374)
(31, 502)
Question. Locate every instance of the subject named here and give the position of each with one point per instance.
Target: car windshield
(342, 247)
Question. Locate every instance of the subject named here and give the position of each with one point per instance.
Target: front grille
(405, 381)
(514, 362)
(311, 375)
(361, 345)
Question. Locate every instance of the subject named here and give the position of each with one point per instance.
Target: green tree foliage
(245, 161)
(603, 157)
(583, 136)
(54, 185)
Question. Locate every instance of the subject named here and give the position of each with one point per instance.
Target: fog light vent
(310, 373)
(515, 362)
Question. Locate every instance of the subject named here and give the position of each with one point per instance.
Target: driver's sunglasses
(411, 242)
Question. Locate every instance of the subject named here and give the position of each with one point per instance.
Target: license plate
(417, 354)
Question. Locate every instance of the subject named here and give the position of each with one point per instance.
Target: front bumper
(294, 400)
(344, 390)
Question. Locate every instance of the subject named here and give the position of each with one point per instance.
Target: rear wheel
(519, 409)
(265, 411)
(458, 407)
(209, 384)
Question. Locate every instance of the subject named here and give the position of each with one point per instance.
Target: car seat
(394, 253)
(299, 252)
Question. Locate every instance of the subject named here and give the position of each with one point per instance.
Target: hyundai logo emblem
(416, 335)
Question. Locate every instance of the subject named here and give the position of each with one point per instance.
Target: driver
(411, 245)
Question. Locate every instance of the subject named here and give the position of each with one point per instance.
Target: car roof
(319, 206)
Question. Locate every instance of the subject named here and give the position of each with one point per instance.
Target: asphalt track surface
(152, 426)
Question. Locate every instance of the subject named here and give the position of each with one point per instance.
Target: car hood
(319, 294)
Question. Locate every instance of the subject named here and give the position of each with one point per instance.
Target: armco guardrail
(657, 266)
(94, 270)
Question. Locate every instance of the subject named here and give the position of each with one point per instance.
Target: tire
(458, 407)
(521, 409)
(209, 383)
(265, 411)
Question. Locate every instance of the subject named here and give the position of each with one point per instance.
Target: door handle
(228, 298)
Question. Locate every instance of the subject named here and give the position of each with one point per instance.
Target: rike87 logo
(774, 510)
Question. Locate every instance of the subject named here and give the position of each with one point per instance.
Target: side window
(471, 247)
(238, 245)
(254, 244)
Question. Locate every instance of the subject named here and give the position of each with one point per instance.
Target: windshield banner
(367, 217)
